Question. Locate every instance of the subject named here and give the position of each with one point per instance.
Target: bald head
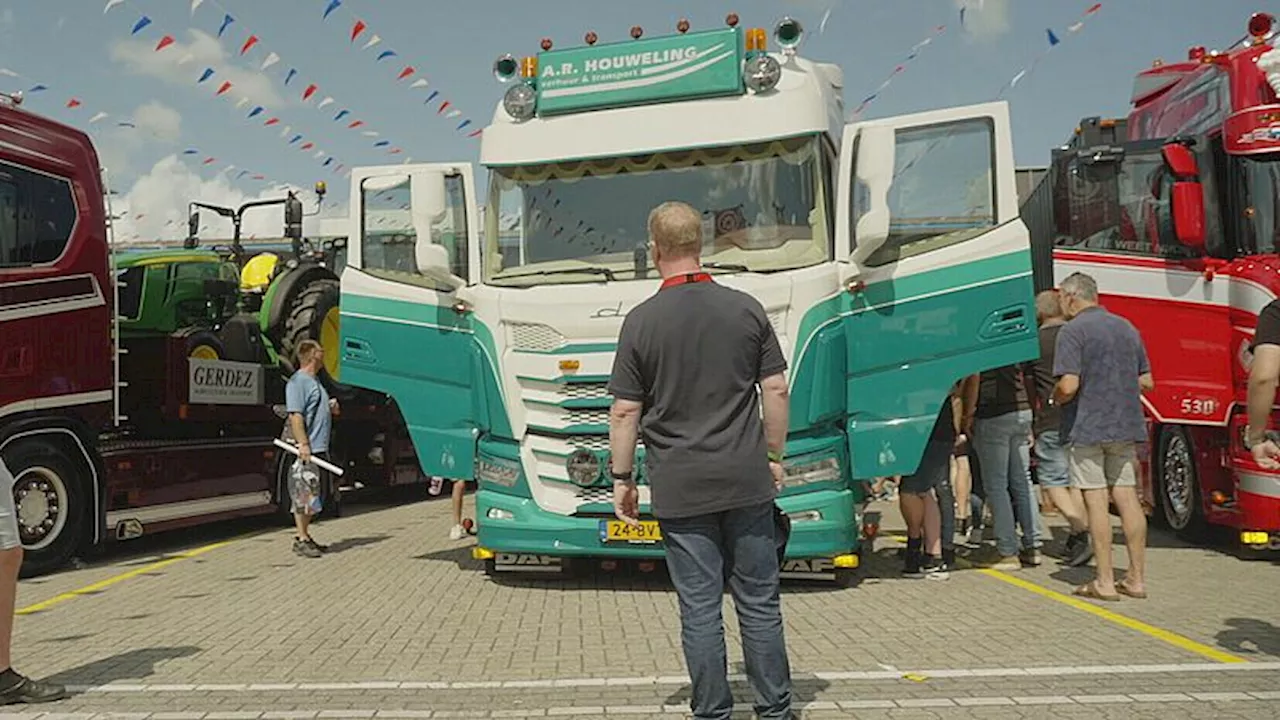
(676, 230)
(1048, 306)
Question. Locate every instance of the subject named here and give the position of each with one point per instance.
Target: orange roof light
(757, 39)
(1196, 53)
(529, 66)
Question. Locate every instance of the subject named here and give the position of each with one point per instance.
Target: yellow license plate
(617, 531)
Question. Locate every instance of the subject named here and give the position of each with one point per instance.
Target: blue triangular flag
(256, 111)
(142, 22)
(208, 73)
(341, 114)
(326, 162)
(38, 88)
(226, 20)
(465, 123)
(382, 143)
(295, 139)
(191, 151)
(292, 72)
(1053, 39)
(385, 54)
(431, 97)
(333, 5)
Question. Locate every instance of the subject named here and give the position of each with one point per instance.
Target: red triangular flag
(272, 121)
(73, 103)
(307, 146)
(355, 125)
(443, 106)
(209, 160)
(165, 42)
(406, 72)
(258, 177)
(357, 29)
(225, 87)
(253, 40)
(394, 151)
(476, 133)
(311, 90)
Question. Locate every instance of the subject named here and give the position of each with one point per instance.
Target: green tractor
(290, 299)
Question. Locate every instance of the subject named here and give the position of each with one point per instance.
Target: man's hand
(778, 474)
(304, 452)
(1266, 454)
(626, 502)
(334, 408)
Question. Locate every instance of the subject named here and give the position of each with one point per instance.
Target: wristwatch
(622, 477)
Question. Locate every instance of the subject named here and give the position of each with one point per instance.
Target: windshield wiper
(585, 270)
(731, 267)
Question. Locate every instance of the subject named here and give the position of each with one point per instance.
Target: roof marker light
(546, 44)
(637, 32)
(731, 20)
(682, 27)
(591, 37)
(1196, 53)
(1260, 25)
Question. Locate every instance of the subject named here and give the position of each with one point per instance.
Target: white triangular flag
(186, 59)
(195, 4)
(420, 83)
(369, 133)
(229, 168)
(272, 59)
(243, 101)
(110, 4)
(453, 113)
(1017, 77)
(319, 154)
(285, 131)
(97, 117)
(372, 41)
(326, 101)
(8, 73)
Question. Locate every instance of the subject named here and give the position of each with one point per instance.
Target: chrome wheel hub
(1176, 477)
(40, 497)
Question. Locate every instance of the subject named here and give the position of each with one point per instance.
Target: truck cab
(888, 256)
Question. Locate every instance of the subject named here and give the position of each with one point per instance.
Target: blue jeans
(704, 553)
(1003, 444)
(1052, 456)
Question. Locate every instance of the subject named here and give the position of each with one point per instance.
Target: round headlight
(788, 33)
(583, 467)
(520, 101)
(506, 68)
(762, 73)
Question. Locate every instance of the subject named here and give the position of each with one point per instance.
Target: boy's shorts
(935, 469)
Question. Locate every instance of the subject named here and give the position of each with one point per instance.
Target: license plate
(616, 531)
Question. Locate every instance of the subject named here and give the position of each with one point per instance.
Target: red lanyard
(686, 278)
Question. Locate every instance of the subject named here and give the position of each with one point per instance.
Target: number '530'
(1198, 406)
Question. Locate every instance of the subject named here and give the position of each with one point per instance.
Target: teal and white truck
(888, 255)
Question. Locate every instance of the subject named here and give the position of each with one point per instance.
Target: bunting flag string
(76, 104)
(253, 39)
(898, 70)
(227, 27)
(1053, 40)
(358, 27)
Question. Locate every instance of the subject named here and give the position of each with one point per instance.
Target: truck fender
(73, 439)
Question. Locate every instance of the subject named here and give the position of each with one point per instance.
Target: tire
(847, 577)
(205, 345)
(314, 316)
(1181, 508)
(51, 502)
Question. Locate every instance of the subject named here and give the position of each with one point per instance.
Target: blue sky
(79, 52)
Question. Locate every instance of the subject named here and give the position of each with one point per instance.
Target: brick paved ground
(399, 618)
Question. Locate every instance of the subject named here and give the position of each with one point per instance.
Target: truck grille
(586, 416)
(585, 391)
(534, 337)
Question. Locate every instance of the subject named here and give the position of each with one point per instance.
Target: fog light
(479, 553)
(803, 473)
(805, 516)
(845, 561)
(520, 101)
(500, 514)
(583, 467)
(762, 73)
(1254, 538)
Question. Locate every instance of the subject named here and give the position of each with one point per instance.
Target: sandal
(1090, 590)
(1123, 588)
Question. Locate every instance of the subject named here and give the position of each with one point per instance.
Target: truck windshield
(764, 208)
(1260, 223)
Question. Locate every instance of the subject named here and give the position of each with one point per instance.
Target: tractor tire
(314, 316)
(205, 345)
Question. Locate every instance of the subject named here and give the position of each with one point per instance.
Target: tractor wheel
(314, 316)
(204, 345)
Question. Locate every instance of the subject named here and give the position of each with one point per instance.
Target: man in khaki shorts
(1102, 371)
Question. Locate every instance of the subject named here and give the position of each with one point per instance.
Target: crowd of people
(1003, 432)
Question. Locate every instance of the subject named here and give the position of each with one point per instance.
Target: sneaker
(305, 549)
(936, 568)
(1079, 553)
(29, 691)
(457, 532)
(991, 558)
(975, 536)
(312, 542)
(1030, 557)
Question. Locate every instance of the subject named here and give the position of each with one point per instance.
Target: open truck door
(938, 272)
(407, 330)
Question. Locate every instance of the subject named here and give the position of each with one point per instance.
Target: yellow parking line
(1137, 625)
(1152, 631)
(104, 584)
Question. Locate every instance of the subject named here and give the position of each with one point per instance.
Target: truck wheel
(1178, 488)
(50, 500)
(847, 577)
(314, 316)
(204, 345)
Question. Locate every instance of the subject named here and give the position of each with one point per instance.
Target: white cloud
(141, 58)
(117, 146)
(155, 208)
(986, 19)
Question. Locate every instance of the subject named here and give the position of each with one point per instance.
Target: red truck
(1175, 211)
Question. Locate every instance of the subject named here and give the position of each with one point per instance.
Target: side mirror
(428, 206)
(293, 217)
(873, 171)
(1186, 198)
(193, 225)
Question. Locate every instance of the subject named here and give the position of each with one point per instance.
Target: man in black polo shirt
(1264, 376)
(689, 362)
